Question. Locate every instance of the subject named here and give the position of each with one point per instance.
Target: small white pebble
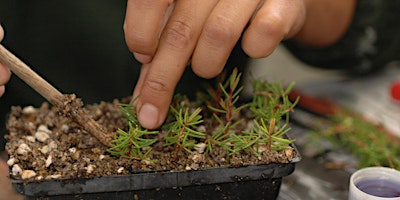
(120, 170)
(10, 161)
(197, 158)
(28, 174)
(30, 138)
(188, 167)
(41, 136)
(65, 128)
(23, 149)
(202, 128)
(54, 176)
(31, 125)
(49, 160)
(72, 150)
(102, 157)
(52, 145)
(16, 170)
(28, 110)
(262, 148)
(39, 178)
(200, 147)
(43, 128)
(90, 168)
(44, 149)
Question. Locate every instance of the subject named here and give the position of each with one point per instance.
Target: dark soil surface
(43, 144)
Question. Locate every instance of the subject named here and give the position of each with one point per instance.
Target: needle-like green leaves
(135, 143)
(236, 127)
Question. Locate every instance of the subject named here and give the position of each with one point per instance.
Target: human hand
(7, 192)
(4, 71)
(165, 34)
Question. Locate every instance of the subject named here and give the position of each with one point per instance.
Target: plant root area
(43, 144)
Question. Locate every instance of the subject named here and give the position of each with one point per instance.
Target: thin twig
(55, 97)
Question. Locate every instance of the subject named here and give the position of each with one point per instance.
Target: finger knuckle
(156, 86)
(220, 31)
(178, 33)
(272, 25)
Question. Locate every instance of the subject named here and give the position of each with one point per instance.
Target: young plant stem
(271, 130)
(178, 143)
(182, 132)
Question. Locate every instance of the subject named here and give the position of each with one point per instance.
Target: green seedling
(134, 143)
(182, 132)
(219, 120)
(371, 143)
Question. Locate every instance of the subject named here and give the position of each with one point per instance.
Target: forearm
(369, 42)
(326, 22)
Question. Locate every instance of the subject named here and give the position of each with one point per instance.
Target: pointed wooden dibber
(65, 103)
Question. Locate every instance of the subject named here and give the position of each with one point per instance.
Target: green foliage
(271, 100)
(182, 132)
(370, 143)
(223, 121)
(134, 144)
(271, 103)
(269, 106)
(225, 112)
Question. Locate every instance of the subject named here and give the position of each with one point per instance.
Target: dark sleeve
(372, 41)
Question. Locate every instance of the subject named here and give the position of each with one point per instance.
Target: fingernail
(148, 116)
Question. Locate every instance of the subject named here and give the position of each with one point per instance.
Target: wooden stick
(55, 97)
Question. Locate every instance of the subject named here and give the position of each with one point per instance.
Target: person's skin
(165, 34)
(6, 190)
(4, 71)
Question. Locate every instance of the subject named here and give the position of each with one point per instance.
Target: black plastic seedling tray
(247, 182)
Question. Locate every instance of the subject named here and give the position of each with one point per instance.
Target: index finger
(175, 48)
